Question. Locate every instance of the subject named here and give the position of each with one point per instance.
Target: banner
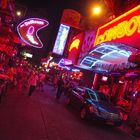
(71, 18)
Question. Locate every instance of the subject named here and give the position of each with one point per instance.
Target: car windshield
(91, 94)
(103, 97)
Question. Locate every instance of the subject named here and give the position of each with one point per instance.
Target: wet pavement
(42, 117)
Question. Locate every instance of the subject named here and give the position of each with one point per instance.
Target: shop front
(116, 73)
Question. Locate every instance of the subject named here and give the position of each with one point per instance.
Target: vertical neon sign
(75, 47)
(61, 39)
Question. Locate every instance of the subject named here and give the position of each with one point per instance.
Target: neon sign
(75, 47)
(28, 29)
(61, 39)
(74, 44)
(124, 29)
(108, 54)
(64, 62)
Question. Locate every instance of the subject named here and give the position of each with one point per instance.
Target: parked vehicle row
(93, 104)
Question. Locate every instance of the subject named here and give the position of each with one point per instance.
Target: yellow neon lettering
(132, 26)
(138, 20)
(113, 32)
(105, 35)
(99, 39)
(125, 28)
(121, 29)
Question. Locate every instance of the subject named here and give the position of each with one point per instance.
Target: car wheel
(68, 101)
(83, 113)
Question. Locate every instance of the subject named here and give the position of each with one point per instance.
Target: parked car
(93, 104)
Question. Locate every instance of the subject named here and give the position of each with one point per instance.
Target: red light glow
(124, 29)
(75, 46)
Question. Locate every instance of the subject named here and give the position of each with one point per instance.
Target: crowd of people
(28, 79)
(24, 77)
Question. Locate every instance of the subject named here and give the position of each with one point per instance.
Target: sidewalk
(21, 117)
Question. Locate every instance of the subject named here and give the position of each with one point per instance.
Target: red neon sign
(28, 29)
(75, 47)
(124, 29)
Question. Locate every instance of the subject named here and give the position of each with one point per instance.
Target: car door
(72, 95)
(95, 101)
(78, 98)
(81, 100)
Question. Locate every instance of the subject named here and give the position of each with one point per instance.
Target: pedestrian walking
(67, 86)
(55, 80)
(32, 82)
(41, 81)
(60, 85)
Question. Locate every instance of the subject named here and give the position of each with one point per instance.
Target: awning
(109, 56)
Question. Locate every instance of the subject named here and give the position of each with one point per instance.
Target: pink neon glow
(104, 78)
(28, 29)
(31, 30)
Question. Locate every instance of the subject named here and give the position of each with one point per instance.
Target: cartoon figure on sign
(28, 29)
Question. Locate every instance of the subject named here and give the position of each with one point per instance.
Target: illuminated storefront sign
(71, 17)
(65, 62)
(28, 29)
(87, 44)
(60, 42)
(108, 56)
(29, 55)
(74, 44)
(75, 47)
(75, 70)
(124, 29)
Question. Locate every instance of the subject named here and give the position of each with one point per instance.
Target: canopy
(109, 56)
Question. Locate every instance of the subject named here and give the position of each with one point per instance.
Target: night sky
(50, 10)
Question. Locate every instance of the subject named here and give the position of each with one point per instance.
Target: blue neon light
(60, 42)
(101, 54)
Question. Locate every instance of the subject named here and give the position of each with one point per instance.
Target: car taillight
(93, 109)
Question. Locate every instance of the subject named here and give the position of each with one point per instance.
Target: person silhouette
(60, 84)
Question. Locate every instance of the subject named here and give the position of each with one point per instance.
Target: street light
(18, 13)
(96, 10)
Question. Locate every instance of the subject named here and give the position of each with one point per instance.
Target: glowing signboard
(61, 39)
(27, 54)
(65, 62)
(108, 55)
(74, 44)
(28, 29)
(75, 47)
(124, 29)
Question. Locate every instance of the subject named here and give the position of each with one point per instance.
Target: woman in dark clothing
(60, 85)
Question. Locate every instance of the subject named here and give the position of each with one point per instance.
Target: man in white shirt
(32, 82)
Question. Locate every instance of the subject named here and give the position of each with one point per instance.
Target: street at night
(70, 70)
(42, 117)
